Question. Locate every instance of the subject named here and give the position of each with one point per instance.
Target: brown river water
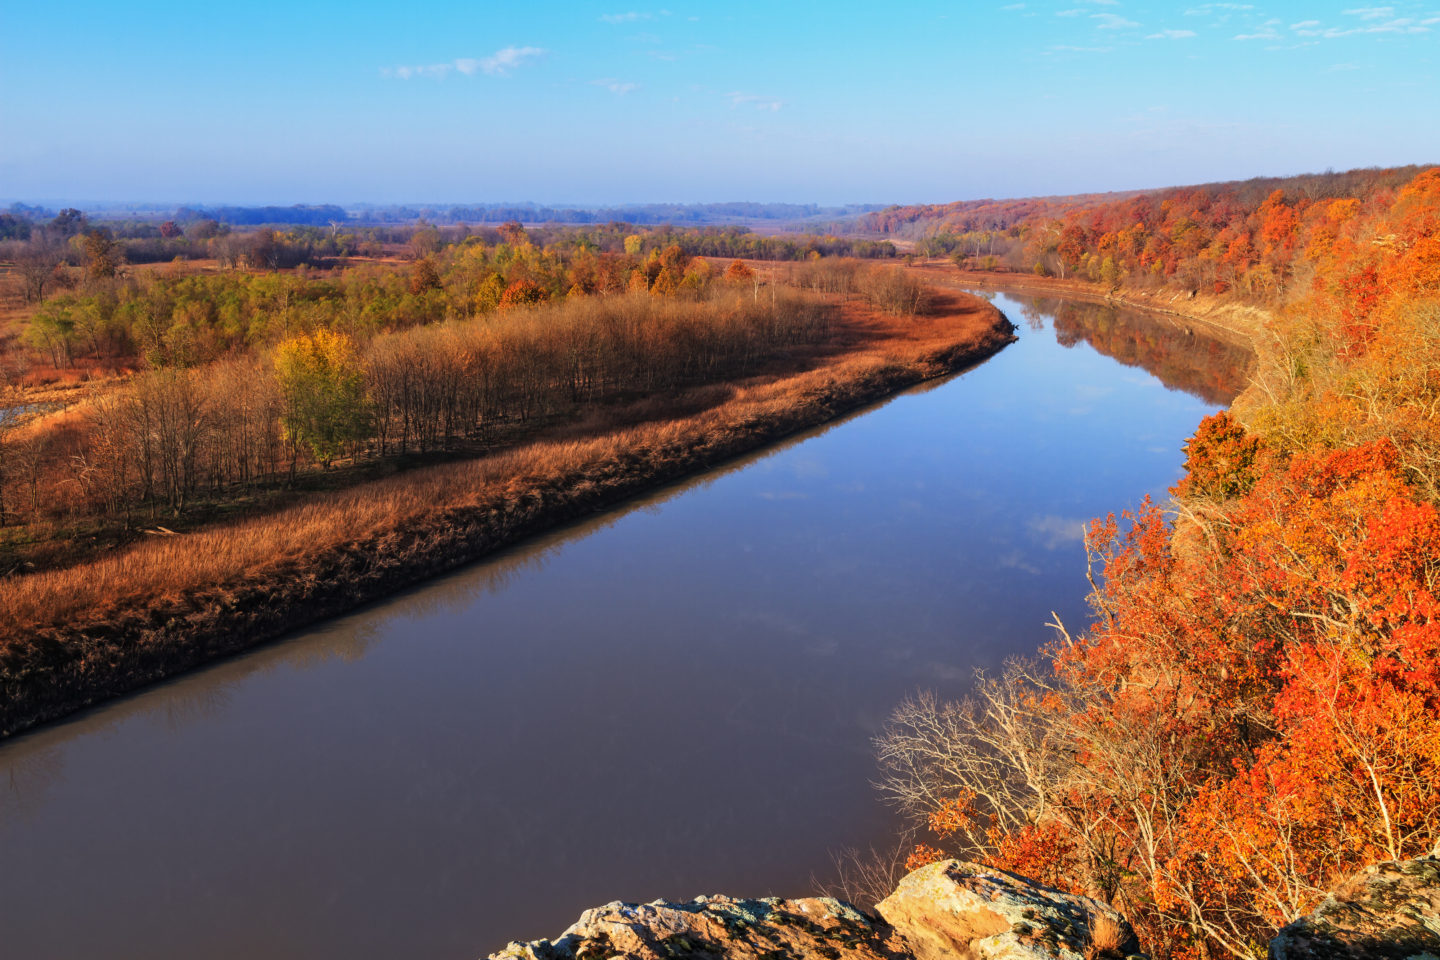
(675, 698)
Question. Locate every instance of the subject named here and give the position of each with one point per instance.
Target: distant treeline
(648, 213)
(42, 250)
(299, 215)
(329, 214)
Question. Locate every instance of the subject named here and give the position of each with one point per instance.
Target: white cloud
(1172, 35)
(738, 99)
(1372, 13)
(1225, 9)
(498, 64)
(503, 61)
(620, 87)
(1056, 532)
(1113, 21)
(1069, 13)
(629, 17)
(433, 70)
(1402, 25)
(1266, 31)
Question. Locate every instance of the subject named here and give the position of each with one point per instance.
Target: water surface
(677, 698)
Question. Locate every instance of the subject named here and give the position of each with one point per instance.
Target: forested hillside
(1254, 711)
(1265, 239)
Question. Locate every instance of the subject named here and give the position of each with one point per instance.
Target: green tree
(323, 388)
(1109, 273)
(489, 293)
(52, 331)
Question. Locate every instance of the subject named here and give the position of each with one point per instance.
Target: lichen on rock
(1389, 911)
(955, 909)
(716, 927)
(946, 910)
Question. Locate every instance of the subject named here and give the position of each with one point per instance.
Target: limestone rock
(1390, 911)
(952, 909)
(714, 927)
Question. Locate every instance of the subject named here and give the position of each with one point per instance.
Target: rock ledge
(715, 927)
(1390, 911)
(955, 909)
(946, 910)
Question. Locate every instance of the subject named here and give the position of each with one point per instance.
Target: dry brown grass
(1107, 937)
(74, 635)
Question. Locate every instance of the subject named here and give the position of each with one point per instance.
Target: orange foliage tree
(1254, 711)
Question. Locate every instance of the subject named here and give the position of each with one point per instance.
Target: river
(673, 699)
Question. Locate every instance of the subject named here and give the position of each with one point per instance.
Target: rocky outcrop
(1390, 911)
(948, 909)
(953, 909)
(715, 927)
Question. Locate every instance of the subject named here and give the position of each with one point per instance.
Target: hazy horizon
(360, 203)
(594, 104)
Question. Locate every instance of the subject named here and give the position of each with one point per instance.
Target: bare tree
(39, 262)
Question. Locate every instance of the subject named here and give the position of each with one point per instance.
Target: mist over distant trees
(313, 216)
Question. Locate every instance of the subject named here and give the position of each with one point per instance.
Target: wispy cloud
(1171, 35)
(1401, 25)
(1266, 31)
(1219, 13)
(619, 87)
(503, 61)
(1113, 21)
(498, 64)
(738, 99)
(435, 70)
(1366, 20)
(634, 16)
(1372, 13)
(1056, 532)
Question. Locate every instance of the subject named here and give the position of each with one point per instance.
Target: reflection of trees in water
(1206, 367)
(1035, 316)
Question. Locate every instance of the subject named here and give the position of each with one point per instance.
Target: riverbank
(1235, 321)
(87, 633)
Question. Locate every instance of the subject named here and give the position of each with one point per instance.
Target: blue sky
(605, 102)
